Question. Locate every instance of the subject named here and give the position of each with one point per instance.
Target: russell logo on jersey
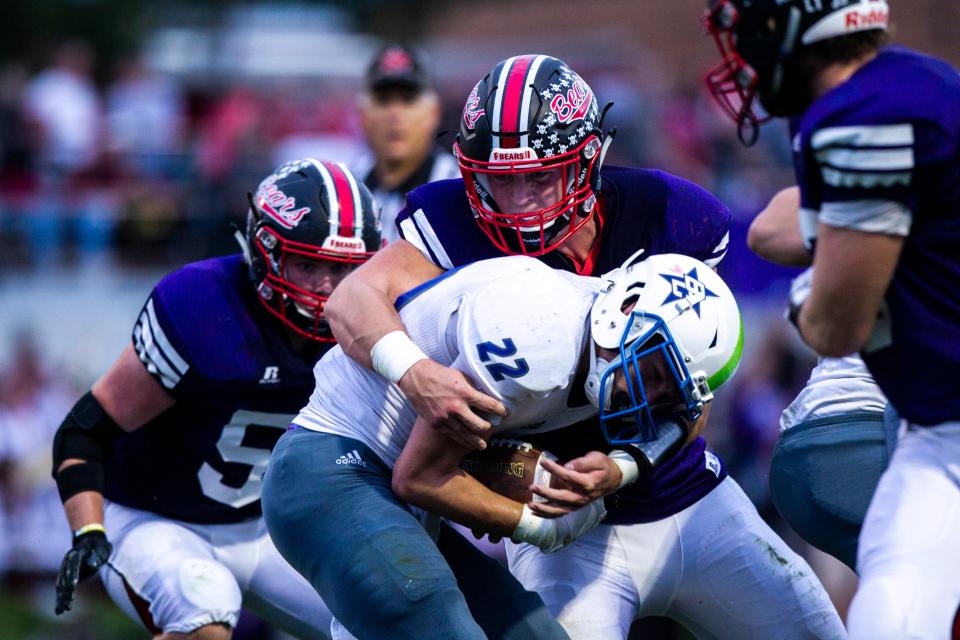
(271, 375)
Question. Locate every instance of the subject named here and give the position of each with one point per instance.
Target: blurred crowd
(130, 168)
(148, 167)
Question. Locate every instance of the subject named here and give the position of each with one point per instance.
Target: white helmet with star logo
(670, 313)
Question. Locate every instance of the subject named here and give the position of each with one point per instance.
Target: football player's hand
(491, 537)
(447, 401)
(90, 551)
(575, 484)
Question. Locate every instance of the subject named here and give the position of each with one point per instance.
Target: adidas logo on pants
(352, 458)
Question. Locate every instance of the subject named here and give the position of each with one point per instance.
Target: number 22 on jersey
(499, 369)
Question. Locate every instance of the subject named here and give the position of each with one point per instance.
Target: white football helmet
(674, 322)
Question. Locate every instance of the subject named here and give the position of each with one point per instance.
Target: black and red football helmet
(759, 39)
(309, 208)
(530, 114)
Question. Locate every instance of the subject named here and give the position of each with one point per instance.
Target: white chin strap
(244, 247)
(305, 311)
(591, 387)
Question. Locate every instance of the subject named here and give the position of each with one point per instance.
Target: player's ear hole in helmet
(666, 333)
(307, 219)
(770, 51)
(531, 122)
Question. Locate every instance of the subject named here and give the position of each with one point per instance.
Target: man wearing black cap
(400, 113)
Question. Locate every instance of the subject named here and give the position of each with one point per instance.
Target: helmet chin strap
(607, 141)
(244, 246)
(591, 386)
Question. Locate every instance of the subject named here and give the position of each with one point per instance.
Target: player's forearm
(832, 320)
(428, 474)
(830, 334)
(359, 315)
(361, 309)
(461, 498)
(774, 234)
(83, 509)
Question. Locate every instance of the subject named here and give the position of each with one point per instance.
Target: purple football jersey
(881, 154)
(238, 383)
(640, 209)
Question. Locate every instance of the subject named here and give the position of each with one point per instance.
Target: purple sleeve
(191, 333)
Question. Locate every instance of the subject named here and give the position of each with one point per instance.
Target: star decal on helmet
(687, 286)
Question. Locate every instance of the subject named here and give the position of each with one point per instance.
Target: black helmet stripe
(511, 107)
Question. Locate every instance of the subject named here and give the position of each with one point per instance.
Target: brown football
(509, 467)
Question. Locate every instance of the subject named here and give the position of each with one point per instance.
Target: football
(509, 467)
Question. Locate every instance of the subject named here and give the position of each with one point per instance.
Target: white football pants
(175, 576)
(715, 567)
(909, 554)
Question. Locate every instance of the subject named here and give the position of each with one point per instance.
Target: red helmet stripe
(344, 192)
(513, 92)
(528, 90)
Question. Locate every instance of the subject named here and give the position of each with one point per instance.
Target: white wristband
(534, 529)
(393, 354)
(629, 471)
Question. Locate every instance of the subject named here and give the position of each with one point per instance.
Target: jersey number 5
(499, 370)
(233, 450)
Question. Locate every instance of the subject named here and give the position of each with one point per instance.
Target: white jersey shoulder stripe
(719, 251)
(409, 232)
(872, 180)
(716, 259)
(151, 359)
(867, 159)
(155, 351)
(164, 344)
(870, 216)
(887, 135)
(431, 239)
(722, 245)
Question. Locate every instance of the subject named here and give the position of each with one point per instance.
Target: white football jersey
(515, 327)
(836, 386)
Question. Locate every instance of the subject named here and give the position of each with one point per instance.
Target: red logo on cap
(395, 60)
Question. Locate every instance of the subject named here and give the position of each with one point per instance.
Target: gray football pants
(372, 561)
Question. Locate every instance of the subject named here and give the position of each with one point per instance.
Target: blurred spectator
(145, 120)
(33, 400)
(64, 110)
(17, 180)
(63, 105)
(400, 112)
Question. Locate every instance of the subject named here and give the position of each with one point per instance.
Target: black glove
(90, 551)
